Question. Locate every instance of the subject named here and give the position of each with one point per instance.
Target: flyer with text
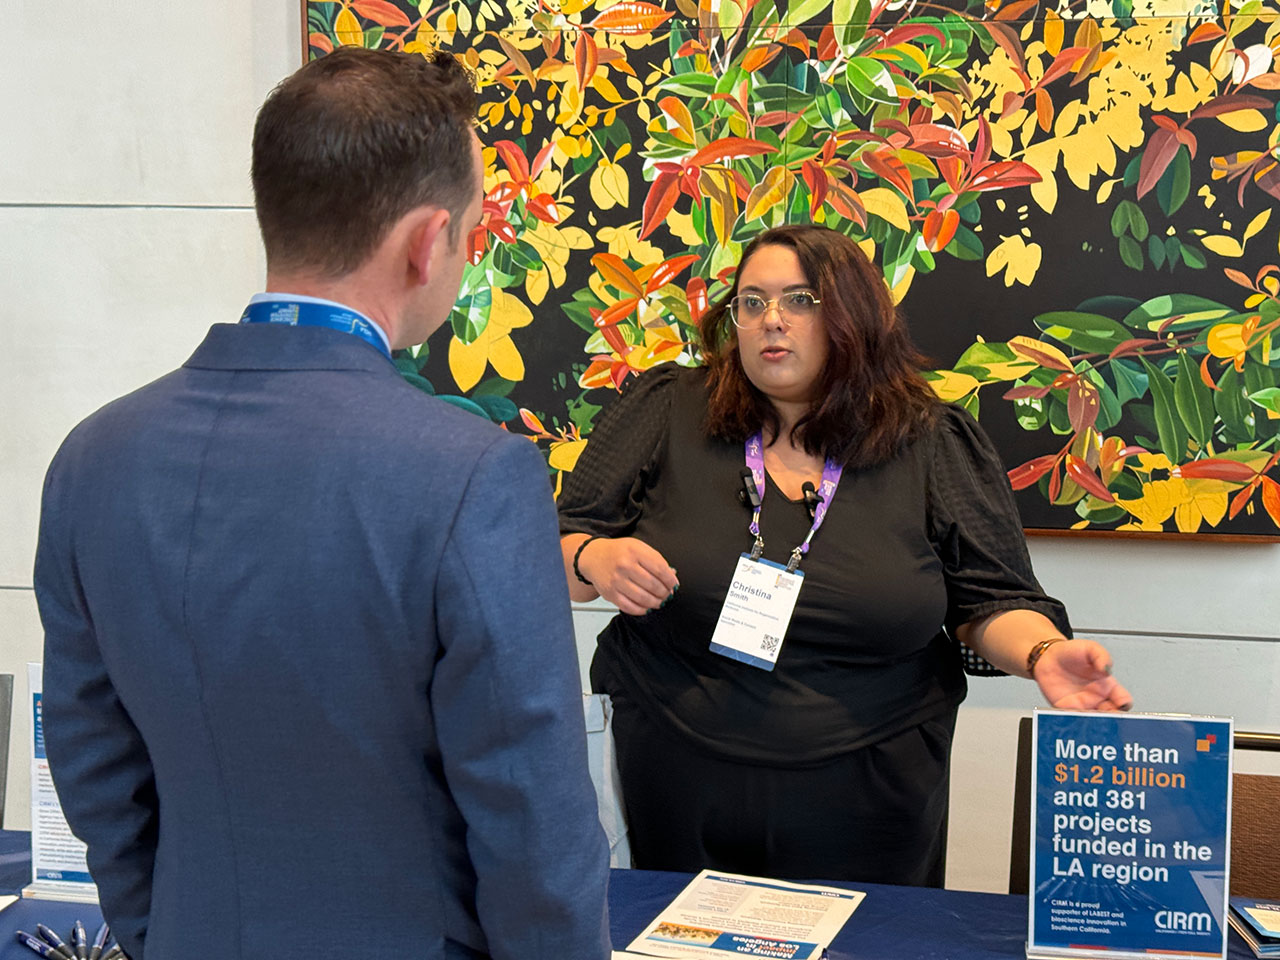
(1131, 820)
(721, 914)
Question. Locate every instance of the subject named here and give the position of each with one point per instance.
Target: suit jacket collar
(263, 346)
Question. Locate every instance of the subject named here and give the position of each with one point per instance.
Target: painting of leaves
(1070, 201)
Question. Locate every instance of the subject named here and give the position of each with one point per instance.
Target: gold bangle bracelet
(1033, 657)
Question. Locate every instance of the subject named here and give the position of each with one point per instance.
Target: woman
(834, 763)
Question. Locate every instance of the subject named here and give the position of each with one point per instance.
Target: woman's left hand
(1076, 675)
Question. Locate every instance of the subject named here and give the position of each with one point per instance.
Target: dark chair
(6, 717)
(1255, 809)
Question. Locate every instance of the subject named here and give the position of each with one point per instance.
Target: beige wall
(125, 230)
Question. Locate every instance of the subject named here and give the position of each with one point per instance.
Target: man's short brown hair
(353, 141)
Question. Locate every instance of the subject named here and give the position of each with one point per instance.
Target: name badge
(756, 613)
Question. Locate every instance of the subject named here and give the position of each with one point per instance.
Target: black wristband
(576, 572)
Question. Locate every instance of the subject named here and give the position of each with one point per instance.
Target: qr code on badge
(770, 644)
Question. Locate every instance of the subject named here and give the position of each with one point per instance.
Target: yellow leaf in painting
(494, 347)
(1054, 29)
(1104, 191)
(1155, 506)
(1223, 246)
(680, 226)
(1226, 340)
(347, 29)
(868, 246)
(1246, 121)
(1153, 461)
(536, 285)
(888, 206)
(1020, 260)
(554, 245)
(1256, 224)
(1211, 498)
(467, 361)
(1187, 517)
(773, 189)
(1035, 351)
(951, 386)
(609, 186)
(564, 454)
(899, 292)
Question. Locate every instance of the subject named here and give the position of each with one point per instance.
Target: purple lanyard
(831, 472)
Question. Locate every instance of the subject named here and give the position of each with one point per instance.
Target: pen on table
(80, 940)
(38, 945)
(60, 949)
(100, 941)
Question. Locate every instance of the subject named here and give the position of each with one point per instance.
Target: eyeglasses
(748, 311)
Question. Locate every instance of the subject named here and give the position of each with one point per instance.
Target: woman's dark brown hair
(870, 398)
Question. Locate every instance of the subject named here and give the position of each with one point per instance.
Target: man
(310, 686)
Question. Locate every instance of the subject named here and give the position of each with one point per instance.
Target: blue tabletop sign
(1130, 828)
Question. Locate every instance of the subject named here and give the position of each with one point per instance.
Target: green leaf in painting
(494, 387)
(1194, 401)
(1137, 222)
(1131, 381)
(1172, 249)
(872, 80)
(966, 245)
(1174, 185)
(498, 409)
(1231, 405)
(1090, 332)
(1120, 218)
(1268, 399)
(690, 84)
(1193, 312)
(1193, 258)
(1155, 249)
(470, 315)
(421, 382)
(462, 403)
(803, 11)
(1131, 253)
(1173, 435)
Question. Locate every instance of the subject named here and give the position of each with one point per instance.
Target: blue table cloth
(893, 923)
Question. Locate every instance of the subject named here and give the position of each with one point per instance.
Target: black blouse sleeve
(978, 532)
(604, 492)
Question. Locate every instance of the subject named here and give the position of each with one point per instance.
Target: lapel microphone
(749, 495)
(811, 499)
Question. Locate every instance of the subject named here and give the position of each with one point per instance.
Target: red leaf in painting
(1205, 375)
(1055, 484)
(1004, 174)
(729, 148)
(1027, 391)
(886, 164)
(1023, 476)
(952, 170)
(630, 17)
(816, 180)
(668, 270)
(936, 140)
(912, 31)
(695, 292)
(1007, 38)
(1063, 62)
(1268, 179)
(1205, 32)
(758, 57)
(1271, 499)
(617, 274)
(1015, 10)
(1214, 468)
(845, 201)
(515, 160)
(661, 198)
(1159, 153)
(503, 230)
(939, 227)
(321, 42)
(586, 59)
(1082, 405)
(1082, 476)
(380, 12)
(1132, 346)
(1235, 276)
(544, 207)
(1044, 110)
(827, 46)
(1240, 499)
(1230, 104)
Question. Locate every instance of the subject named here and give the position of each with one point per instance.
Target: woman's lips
(774, 353)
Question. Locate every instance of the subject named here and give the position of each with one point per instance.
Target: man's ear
(428, 236)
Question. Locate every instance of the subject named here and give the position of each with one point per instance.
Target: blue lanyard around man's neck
(316, 313)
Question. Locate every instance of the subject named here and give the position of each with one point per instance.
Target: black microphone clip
(749, 495)
(811, 498)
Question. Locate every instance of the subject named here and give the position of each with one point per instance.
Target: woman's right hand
(628, 573)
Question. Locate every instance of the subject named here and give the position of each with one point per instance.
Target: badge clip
(794, 562)
(757, 548)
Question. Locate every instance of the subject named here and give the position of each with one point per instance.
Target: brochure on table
(1131, 826)
(58, 868)
(1258, 923)
(727, 914)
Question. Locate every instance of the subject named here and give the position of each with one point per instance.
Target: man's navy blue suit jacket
(310, 687)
